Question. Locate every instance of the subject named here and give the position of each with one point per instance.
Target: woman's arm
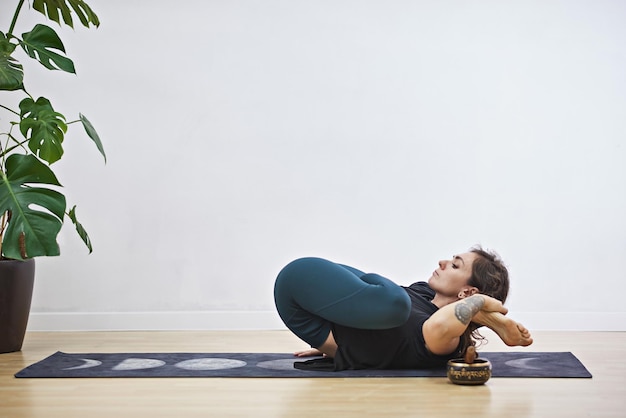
(444, 328)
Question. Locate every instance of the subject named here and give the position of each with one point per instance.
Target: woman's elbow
(439, 337)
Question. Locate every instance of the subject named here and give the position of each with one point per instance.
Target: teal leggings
(312, 293)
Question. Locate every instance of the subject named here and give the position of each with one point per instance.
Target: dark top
(402, 347)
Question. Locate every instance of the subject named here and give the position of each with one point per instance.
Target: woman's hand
(493, 305)
(309, 353)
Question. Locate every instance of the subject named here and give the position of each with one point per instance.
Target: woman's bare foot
(512, 333)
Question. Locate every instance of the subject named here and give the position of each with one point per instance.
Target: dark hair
(491, 277)
(489, 274)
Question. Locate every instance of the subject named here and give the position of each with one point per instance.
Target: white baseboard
(269, 320)
(573, 321)
(155, 321)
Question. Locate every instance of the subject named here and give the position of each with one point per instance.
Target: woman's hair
(489, 274)
(491, 277)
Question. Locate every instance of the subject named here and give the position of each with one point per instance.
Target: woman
(367, 321)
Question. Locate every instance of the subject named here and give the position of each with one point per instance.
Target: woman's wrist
(467, 308)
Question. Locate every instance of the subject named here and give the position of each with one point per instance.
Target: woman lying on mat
(365, 321)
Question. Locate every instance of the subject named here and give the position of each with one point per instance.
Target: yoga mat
(58, 365)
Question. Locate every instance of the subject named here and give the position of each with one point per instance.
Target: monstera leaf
(51, 8)
(36, 213)
(11, 71)
(80, 230)
(43, 127)
(93, 135)
(41, 43)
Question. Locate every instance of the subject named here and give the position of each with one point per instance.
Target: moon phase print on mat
(88, 364)
(210, 364)
(522, 363)
(139, 364)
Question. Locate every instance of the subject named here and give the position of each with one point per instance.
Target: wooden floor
(603, 353)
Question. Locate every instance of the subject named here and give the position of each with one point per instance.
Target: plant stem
(2, 226)
(9, 149)
(15, 15)
(10, 110)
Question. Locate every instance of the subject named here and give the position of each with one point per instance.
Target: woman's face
(452, 275)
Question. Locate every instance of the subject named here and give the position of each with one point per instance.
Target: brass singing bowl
(462, 373)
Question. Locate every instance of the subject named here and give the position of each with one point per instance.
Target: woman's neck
(442, 300)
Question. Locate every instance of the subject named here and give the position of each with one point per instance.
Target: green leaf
(43, 127)
(11, 74)
(6, 47)
(40, 44)
(80, 230)
(51, 8)
(11, 71)
(93, 135)
(36, 212)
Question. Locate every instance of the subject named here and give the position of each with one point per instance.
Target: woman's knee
(289, 282)
(294, 271)
(300, 267)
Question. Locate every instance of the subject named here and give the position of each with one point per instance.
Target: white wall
(385, 134)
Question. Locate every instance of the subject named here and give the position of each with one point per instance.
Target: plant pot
(16, 291)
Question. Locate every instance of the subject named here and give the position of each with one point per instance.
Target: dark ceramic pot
(16, 292)
(462, 373)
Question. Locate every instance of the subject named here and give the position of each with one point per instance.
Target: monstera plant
(32, 133)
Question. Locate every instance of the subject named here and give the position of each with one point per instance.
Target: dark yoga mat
(507, 364)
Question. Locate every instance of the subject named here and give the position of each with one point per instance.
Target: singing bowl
(462, 373)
